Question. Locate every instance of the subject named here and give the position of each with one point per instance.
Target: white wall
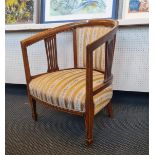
(130, 67)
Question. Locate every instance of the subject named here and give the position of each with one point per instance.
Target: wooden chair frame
(51, 52)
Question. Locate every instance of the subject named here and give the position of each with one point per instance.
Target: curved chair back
(85, 36)
(85, 33)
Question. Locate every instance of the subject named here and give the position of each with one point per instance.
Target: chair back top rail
(67, 27)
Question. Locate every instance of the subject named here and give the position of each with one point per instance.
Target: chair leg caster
(34, 116)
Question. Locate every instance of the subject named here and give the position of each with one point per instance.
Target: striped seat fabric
(67, 89)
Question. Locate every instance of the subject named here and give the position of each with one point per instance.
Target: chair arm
(109, 39)
(26, 63)
(103, 86)
(47, 36)
(28, 75)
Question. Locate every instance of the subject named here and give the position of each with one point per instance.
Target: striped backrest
(85, 36)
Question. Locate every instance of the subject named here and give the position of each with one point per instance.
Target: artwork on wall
(20, 11)
(135, 9)
(72, 10)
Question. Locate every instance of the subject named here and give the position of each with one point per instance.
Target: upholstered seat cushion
(67, 89)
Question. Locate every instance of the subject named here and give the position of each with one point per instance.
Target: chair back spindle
(51, 52)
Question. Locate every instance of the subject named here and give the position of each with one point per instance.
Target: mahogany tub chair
(85, 89)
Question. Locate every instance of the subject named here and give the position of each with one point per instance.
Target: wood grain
(49, 37)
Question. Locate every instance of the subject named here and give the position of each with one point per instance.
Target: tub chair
(84, 89)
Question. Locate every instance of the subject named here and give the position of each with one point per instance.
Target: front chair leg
(109, 110)
(33, 108)
(89, 122)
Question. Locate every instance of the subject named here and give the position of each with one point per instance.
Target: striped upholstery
(67, 89)
(85, 36)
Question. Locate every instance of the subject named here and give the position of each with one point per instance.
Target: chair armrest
(103, 86)
(109, 40)
(51, 51)
(24, 46)
(26, 63)
(49, 36)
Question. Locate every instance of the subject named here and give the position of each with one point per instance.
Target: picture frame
(21, 12)
(57, 11)
(136, 9)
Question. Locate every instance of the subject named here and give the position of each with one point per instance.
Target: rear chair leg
(33, 108)
(109, 110)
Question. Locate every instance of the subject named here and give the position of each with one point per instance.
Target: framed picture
(135, 9)
(21, 11)
(74, 10)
